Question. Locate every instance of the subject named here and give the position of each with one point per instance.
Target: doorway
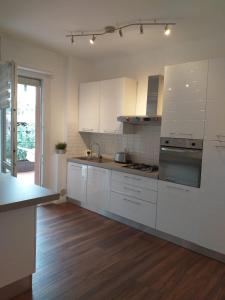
(29, 130)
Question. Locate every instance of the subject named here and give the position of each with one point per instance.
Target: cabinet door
(186, 81)
(215, 121)
(111, 105)
(177, 208)
(77, 181)
(89, 106)
(212, 217)
(98, 184)
(185, 100)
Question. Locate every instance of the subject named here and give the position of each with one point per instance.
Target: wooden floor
(81, 255)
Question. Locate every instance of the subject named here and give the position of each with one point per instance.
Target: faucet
(99, 150)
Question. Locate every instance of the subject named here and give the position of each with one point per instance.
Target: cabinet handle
(132, 190)
(77, 167)
(220, 135)
(96, 170)
(177, 188)
(172, 133)
(220, 146)
(133, 202)
(110, 131)
(133, 178)
(87, 129)
(188, 134)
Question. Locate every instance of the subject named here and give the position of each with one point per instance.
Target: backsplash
(143, 145)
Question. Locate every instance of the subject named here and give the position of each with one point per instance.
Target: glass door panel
(8, 117)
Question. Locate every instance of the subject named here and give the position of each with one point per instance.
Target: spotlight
(141, 29)
(120, 32)
(167, 30)
(72, 39)
(92, 41)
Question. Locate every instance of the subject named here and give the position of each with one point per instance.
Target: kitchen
(159, 107)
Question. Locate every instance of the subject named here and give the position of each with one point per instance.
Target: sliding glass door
(8, 130)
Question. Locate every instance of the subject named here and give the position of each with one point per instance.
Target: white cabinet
(117, 97)
(185, 87)
(212, 217)
(215, 108)
(177, 210)
(101, 102)
(134, 197)
(76, 181)
(133, 209)
(98, 187)
(89, 94)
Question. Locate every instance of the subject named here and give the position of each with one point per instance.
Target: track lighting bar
(112, 29)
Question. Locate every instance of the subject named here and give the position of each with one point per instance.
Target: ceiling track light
(112, 29)
(167, 30)
(92, 41)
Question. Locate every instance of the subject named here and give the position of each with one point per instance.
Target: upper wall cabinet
(185, 87)
(118, 97)
(100, 103)
(89, 95)
(215, 108)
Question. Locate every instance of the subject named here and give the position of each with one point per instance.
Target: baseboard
(16, 288)
(163, 235)
(62, 199)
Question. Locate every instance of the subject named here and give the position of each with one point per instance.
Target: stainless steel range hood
(153, 106)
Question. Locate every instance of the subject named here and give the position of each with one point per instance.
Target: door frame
(37, 76)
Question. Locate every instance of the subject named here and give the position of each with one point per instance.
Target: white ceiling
(47, 21)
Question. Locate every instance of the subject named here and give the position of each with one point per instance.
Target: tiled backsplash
(142, 145)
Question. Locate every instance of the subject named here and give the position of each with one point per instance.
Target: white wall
(77, 71)
(141, 65)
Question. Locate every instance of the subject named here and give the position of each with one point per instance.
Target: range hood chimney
(153, 107)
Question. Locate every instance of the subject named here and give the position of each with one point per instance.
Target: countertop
(111, 165)
(14, 194)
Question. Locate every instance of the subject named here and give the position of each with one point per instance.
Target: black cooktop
(142, 167)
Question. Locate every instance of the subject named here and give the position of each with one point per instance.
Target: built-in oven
(180, 161)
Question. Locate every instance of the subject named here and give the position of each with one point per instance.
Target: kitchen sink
(95, 159)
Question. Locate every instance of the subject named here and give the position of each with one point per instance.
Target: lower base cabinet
(177, 210)
(76, 181)
(212, 220)
(98, 187)
(134, 209)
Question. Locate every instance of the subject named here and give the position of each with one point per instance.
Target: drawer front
(138, 181)
(133, 209)
(136, 192)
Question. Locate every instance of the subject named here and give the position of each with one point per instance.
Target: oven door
(180, 165)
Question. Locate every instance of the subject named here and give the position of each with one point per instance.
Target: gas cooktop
(142, 167)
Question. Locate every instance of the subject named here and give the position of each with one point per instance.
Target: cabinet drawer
(131, 208)
(136, 192)
(192, 129)
(138, 181)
